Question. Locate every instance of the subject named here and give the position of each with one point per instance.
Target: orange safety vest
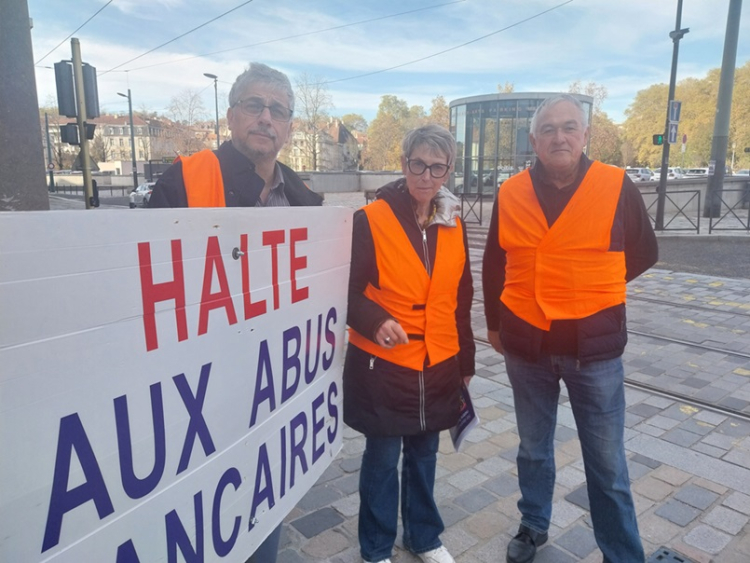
(424, 306)
(566, 271)
(201, 173)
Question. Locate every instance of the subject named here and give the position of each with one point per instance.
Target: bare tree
(100, 149)
(313, 104)
(187, 107)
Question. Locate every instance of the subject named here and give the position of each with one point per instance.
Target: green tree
(439, 112)
(387, 130)
(506, 88)
(644, 117)
(354, 122)
(605, 141)
(648, 112)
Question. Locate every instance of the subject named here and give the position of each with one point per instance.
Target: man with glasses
(243, 172)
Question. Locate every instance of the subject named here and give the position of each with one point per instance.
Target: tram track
(707, 304)
(680, 397)
(688, 305)
(672, 395)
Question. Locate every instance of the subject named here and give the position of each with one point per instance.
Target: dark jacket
(242, 186)
(382, 398)
(600, 336)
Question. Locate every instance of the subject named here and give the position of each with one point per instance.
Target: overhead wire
(298, 35)
(178, 37)
(449, 49)
(74, 31)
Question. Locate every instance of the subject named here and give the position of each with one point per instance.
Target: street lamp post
(51, 165)
(661, 189)
(216, 100)
(132, 137)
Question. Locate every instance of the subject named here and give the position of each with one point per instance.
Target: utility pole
(719, 143)
(661, 190)
(88, 188)
(216, 101)
(50, 163)
(132, 138)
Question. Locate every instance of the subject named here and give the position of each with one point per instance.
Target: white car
(140, 195)
(673, 173)
(743, 172)
(696, 172)
(639, 174)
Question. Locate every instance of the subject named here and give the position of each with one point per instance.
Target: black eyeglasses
(255, 106)
(417, 167)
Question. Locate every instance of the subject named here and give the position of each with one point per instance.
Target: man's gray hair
(258, 73)
(554, 100)
(436, 137)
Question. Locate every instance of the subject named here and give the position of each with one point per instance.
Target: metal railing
(681, 219)
(472, 205)
(731, 220)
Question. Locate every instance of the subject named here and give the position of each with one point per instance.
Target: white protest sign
(170, 380)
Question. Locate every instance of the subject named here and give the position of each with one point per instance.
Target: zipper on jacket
(425, 248)
(422, 421)
(372, 362)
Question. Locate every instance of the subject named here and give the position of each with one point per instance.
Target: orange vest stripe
(424, 306)
(204, 185)
(566, 271)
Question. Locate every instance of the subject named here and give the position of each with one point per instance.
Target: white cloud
(621, 44)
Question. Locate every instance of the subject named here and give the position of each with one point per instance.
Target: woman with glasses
(410, 344)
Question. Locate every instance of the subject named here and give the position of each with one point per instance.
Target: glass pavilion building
(492, 136)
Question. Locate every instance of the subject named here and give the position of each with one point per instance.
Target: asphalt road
(724, 255)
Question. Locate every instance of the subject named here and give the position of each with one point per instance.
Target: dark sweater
(242, 186)
(631, 233)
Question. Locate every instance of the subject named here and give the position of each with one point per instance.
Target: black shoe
(522, 548)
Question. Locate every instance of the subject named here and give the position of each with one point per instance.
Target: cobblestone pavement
(689, 458)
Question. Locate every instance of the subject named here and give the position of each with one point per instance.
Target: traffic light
(66, 96)
(659, 139)
(91, 91)
(747, 149)
(69, 134)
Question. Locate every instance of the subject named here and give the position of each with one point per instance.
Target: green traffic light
(658, 139)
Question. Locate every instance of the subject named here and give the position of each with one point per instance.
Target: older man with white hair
(565, 238)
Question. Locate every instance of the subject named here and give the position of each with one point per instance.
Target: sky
(365, 49)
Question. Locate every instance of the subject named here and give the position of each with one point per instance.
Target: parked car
(140, 195)
(743, 172)
(639, 174)
(696, 172)
(673, 173)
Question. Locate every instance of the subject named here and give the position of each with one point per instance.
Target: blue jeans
(597, 397)
(379, 495)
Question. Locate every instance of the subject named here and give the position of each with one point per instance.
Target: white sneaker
(439, 555)
(381, 561)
